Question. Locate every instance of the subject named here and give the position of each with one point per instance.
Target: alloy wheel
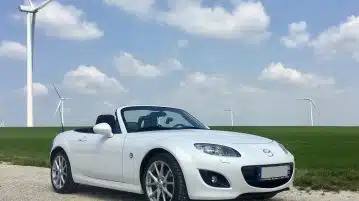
(59, 172)
(159, 182)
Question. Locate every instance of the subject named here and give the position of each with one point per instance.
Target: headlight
(283, 148)
(218, 150)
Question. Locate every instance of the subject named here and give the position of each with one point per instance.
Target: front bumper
(241, 175)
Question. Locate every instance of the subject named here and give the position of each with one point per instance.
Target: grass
(26, 146)
(326, 157)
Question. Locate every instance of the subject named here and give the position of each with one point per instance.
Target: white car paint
(114, 162)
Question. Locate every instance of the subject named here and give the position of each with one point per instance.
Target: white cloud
(67, 22)
(90, 80)
(170, 65)
(213, 82)
(277, 72)
(12, 50)
(298, 35)
(128, 65)
(133, 6)
(248, 20)
(341, 39)
(38, 89)
(206, 95)
(203, 80)
(182, 43)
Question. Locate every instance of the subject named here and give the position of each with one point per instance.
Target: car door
(104, 157)
(79, 152)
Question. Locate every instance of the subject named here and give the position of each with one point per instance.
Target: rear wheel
(61, 175)
(162, 179)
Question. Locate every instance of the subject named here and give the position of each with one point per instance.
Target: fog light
(214, 179)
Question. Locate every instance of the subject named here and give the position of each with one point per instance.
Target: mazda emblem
(268, 152)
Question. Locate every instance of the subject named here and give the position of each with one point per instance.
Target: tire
(178, 190)
(68, 186)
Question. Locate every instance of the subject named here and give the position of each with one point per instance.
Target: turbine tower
(311, 105)
(231, 115)
(60, 106)
(30, 9)
(2, 124)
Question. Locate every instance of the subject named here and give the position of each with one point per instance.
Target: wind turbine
(30, 9)
(60, 106)
(2, 124)
(231, 115)
(311, 105)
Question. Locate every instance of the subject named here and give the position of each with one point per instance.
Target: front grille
(251, 175)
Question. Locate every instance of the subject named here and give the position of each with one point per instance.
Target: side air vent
(214, 179)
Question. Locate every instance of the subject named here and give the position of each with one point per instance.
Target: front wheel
(163, 179)
(61, 176)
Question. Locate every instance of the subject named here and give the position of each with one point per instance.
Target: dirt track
(19, 183)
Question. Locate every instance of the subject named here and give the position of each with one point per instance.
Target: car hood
(215, 136)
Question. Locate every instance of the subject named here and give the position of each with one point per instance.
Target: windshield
(150, 118)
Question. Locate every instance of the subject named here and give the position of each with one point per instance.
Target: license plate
(275, 172)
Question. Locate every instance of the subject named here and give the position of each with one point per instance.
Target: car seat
(111, 120)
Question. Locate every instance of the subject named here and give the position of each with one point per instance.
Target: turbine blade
(57, 108)
(58, 94)
(42, 5)
(315, 107)
(312, 102)
(30, 3)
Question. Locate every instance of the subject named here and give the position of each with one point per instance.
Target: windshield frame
(202, 126)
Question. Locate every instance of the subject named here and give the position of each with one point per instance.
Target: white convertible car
(167, 154)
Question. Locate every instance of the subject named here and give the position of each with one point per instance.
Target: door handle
(82, 140)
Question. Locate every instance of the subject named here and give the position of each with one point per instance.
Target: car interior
(147, 121)
(103, 118)
(144, 122)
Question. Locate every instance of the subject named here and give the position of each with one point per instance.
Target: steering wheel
(179, 126)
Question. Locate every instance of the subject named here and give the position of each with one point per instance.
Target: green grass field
(326, 157)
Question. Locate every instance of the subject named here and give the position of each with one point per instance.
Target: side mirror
(103, 129)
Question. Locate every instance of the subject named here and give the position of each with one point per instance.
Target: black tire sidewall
(180, 190)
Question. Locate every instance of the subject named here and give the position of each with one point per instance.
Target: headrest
(106, 118)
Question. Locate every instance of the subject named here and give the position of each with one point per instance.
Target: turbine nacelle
(27, 9)
(60, 105)
(308, 99)
(311, 103)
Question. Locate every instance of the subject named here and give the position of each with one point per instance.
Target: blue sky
(256, 57)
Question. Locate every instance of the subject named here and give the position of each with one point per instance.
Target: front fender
(184, 152)
(60, 142)
(140, 150)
